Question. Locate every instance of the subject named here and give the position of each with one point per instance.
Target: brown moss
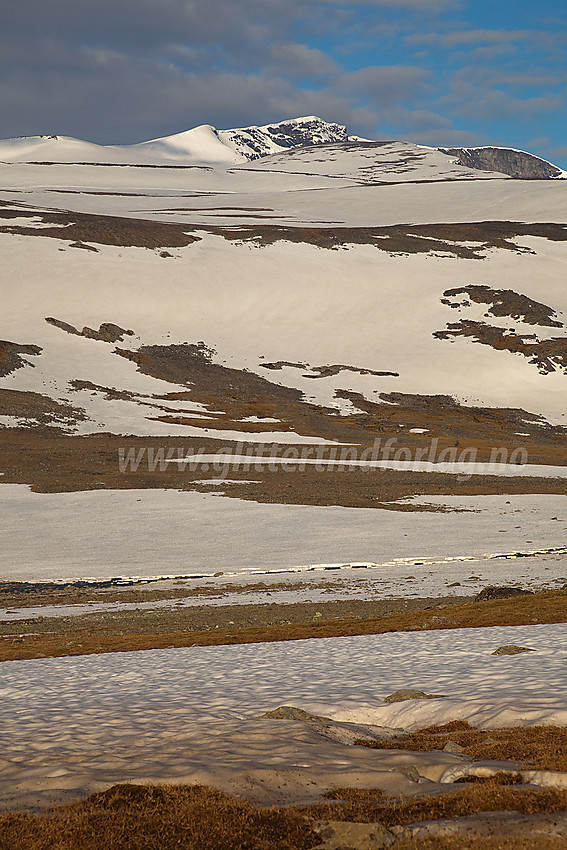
(535, 747)
(370, 805)
(137, 817)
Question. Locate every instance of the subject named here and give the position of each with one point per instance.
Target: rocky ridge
(518, 164)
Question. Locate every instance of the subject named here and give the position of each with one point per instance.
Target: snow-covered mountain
(205, 145)
(200, 145)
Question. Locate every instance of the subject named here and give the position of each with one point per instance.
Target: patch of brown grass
(371, 806)
(535, 747)
(137, 817)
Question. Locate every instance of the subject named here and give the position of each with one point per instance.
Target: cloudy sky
(438, 72)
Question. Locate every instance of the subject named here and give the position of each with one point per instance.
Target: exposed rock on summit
(256, 142)
(518, 164)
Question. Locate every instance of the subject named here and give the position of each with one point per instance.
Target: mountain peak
(254, 142)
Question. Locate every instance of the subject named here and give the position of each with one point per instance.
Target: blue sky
(438, 72)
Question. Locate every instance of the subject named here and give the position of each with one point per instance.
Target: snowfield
(158, 533)
(229, 300)
(74, 725)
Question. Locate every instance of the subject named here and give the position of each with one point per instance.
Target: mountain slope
(321, 298)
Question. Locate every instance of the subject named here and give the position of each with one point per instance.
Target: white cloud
(383, 84)
(299, 60)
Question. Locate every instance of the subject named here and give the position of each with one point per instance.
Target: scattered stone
(511, 650)
(289, 712)
(500, 593)
(453, 747)
(409, 693)
(82, 245)
(401, 831)
(411, 771)
(360, 836)
(317, 615)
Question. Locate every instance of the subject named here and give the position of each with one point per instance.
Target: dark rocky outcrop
(500, 593)
(409, 693)
(511, 649)
(107, 332)
(522, 166)
(256, 142)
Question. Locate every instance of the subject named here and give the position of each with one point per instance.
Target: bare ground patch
(326, 371)
(125, 631)
(438, 239)
(194, 817)
(170, 817)
(11, 356)
(37, 409)
(549, 355)
(504, 302)
(240, 394)
(453, 240)
(100, 229)
(51, 461)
